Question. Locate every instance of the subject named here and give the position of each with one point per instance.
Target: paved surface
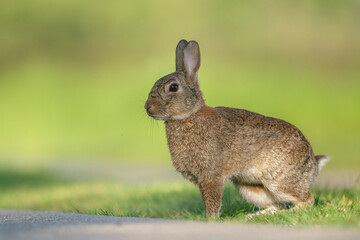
(31, 225)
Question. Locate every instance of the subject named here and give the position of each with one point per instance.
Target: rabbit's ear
(192, 59)
(180, 55)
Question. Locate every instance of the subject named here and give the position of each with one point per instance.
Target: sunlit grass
(37, 190)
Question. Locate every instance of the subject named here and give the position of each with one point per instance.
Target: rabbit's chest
(190, 153)
(192, 150)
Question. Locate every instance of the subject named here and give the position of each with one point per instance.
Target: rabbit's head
(177, 95)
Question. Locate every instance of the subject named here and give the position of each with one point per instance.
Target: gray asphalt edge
(52, 225)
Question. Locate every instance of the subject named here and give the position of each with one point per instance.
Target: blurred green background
(74, 75)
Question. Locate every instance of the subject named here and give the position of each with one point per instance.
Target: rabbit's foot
(309, 202)
(270, 210)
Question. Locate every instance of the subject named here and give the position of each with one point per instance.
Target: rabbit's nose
(148, 107)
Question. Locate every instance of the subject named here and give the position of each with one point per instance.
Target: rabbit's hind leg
(301, 197)
(257, 195)
(303, 203)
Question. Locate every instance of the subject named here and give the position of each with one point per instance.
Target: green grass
(37, 190)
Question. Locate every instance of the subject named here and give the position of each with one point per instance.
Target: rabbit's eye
(173, 87)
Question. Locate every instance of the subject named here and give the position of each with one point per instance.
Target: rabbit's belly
(247, 176)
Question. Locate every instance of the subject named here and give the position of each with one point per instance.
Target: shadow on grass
(162, 200)
(154, 201)
(184, 203)
(11, 178)
(187, 203)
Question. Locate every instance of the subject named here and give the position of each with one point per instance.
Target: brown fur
(254, 188)
(269, 160)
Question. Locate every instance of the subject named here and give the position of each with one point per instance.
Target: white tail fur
(322, 160)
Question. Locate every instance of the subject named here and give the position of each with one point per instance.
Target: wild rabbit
(269, 160)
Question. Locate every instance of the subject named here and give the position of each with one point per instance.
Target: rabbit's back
(263, 148)
(225, 141)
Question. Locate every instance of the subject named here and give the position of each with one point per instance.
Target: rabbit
(269, 161)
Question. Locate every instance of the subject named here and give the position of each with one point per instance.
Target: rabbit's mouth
(158, 117)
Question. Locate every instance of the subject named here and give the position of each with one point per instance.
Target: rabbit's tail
(322, 160)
